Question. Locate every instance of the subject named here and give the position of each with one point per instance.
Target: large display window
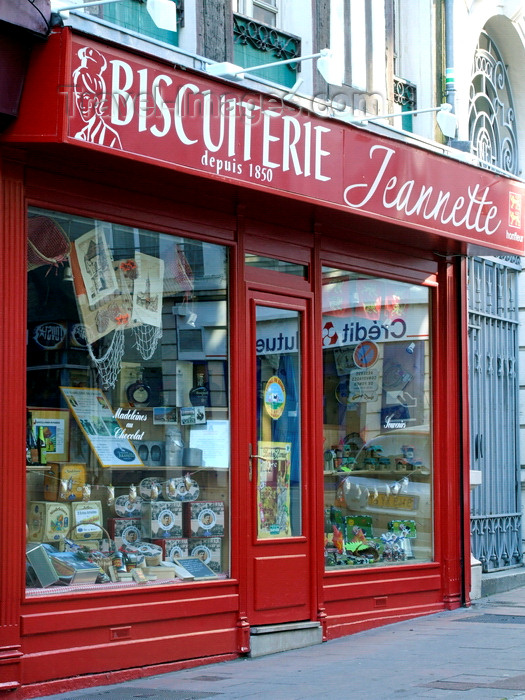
(128, 432)
(377, 418)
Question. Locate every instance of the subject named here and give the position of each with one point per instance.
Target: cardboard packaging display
(48, 522)
(173, 547)
(162, 519)
(86, 519)
(74, 475)
(204, 519)
(209, 549)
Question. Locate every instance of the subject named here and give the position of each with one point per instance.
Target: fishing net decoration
(105, 320)
(181, 271)
(109, 363)
(47, 243)
(146, 339)
(134, 302)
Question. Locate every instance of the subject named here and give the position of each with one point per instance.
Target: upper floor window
(261, 10)
(134, 16)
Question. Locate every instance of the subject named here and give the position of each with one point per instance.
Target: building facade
(237, 308)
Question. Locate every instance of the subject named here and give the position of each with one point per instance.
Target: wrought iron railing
(273, 44)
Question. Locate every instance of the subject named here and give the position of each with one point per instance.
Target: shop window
(127, 423)
(377, 417)
(261, 10)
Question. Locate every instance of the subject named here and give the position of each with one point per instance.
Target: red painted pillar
(450, 436)
(12, 438)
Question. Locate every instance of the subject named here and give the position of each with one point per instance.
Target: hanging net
(146, 339)
(47, 243)
(108, 364)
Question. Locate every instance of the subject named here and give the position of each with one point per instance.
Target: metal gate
(494, 418)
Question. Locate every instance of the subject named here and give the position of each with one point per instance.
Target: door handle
(250, 457)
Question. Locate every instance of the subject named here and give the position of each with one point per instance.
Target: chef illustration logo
(91, 99)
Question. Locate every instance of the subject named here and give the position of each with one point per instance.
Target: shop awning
(94, 96)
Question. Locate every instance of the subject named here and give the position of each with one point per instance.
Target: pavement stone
(475, 653)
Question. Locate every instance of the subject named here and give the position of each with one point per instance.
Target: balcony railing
(255, 43)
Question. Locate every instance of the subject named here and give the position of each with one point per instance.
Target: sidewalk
(476, 652)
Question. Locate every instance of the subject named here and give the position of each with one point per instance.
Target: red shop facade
(241, 332)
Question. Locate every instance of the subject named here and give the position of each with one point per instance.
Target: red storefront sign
(142, 109)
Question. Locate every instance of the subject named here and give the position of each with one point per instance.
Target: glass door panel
(278, 368)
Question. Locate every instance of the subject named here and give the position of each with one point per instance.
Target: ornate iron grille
(405, 93)
(266, 39)
(494, 422)
(492, 123)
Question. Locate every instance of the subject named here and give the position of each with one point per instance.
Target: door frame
(279, 289)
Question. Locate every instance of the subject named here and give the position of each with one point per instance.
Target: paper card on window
(96, 265)
(147, 290)
(111, 313)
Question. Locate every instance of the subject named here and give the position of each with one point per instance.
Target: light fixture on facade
(162, 12)
(446, 119)
(330, 68)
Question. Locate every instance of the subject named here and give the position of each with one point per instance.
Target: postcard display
(127, 425)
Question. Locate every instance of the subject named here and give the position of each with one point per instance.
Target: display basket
(47, 243)
(101, 557)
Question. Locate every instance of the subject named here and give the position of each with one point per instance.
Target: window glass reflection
(128, 448)
(377, 414)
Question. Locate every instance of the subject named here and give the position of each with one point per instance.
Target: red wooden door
(280, 574)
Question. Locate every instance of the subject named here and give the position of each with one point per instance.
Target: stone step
(271, 639)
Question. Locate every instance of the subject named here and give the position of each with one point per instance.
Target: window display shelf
(383, 473)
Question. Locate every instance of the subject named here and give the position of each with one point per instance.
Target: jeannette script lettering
(472, 210)
(190, 122)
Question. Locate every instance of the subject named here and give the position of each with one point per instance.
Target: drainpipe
(450, 78)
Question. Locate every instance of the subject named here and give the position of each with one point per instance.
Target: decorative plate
(181, 489)
(125, 508)
(149, 550)
(150, 488)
